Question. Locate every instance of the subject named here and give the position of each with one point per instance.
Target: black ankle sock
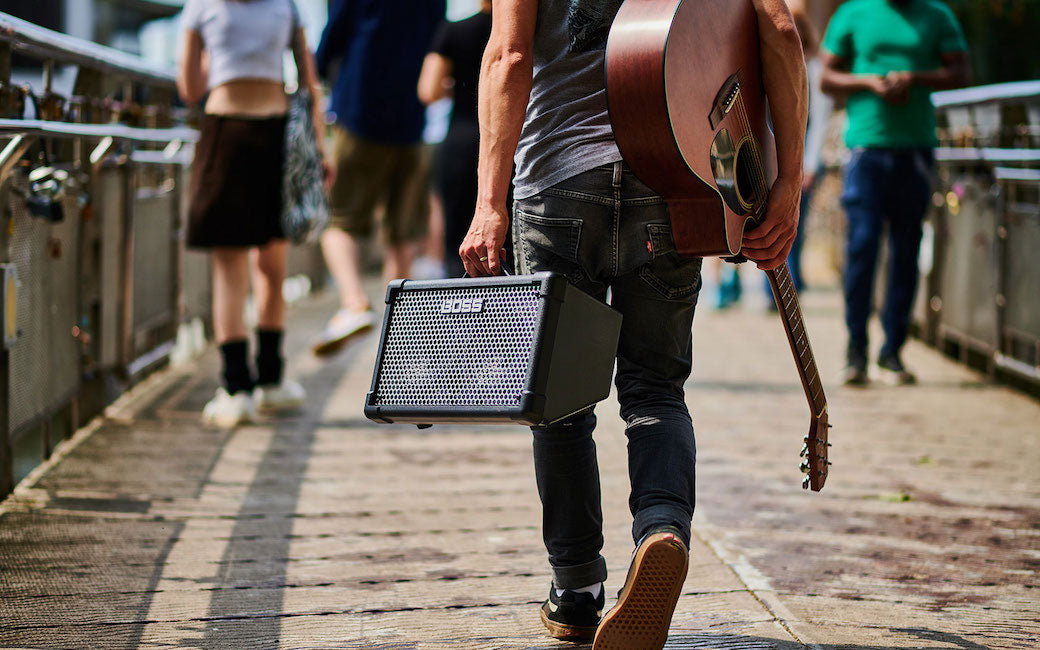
(269, 357)
(236, 366)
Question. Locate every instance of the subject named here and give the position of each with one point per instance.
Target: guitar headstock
(814, 453)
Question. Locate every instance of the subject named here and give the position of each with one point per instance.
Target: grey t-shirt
(567, 130)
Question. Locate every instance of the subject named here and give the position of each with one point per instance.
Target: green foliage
(895, 497)
(1002, 37)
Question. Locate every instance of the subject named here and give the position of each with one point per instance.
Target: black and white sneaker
(572, 615)
(855, 371)
(892, 371)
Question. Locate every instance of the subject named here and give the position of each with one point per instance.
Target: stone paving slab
(322, 530)
(927, 532)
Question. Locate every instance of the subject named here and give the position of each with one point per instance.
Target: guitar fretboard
(783, 288)
(791, 315)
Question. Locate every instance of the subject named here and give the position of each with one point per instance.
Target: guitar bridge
(725, 99)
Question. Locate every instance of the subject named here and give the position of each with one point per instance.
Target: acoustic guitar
(686, 101)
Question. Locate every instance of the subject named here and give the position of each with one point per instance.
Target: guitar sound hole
(746, 177)
(724, 166)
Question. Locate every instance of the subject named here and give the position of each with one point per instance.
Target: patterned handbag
(305, 207)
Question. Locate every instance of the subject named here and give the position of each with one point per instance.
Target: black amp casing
(528, 349)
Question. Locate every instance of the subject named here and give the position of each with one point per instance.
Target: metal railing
(979, 300)
(95, 276)
(47, 45)
(90, 246)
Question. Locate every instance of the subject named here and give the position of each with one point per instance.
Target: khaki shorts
(369, 175)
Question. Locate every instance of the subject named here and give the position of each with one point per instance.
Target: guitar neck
(791, 315)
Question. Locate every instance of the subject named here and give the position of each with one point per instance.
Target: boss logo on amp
(462, 306)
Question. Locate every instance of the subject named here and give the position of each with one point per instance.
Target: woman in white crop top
(233, 50)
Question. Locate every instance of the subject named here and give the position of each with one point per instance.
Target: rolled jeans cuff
(659, 516)
(582, 575)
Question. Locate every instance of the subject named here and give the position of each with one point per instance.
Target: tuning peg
(805, 439)
(804, 467)
(805, 482)
(804, 452)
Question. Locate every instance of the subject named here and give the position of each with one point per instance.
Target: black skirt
(236, 182)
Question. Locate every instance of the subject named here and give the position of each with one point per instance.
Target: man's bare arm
(504, 91)
(806, 29)
(786, 86)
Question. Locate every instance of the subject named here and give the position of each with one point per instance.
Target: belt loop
(617, 174)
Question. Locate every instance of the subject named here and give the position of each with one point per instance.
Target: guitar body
(665, 65)
(688, 108)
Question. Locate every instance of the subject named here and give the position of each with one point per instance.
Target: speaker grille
(466, 358)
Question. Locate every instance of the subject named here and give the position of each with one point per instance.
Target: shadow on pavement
(279, 477)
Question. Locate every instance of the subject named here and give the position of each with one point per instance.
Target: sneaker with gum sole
(643, 613)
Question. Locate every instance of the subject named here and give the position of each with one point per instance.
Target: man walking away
(579, 211)
(377, 145)
(886, 56)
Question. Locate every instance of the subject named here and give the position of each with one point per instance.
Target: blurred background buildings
(149, 28)
(1000, 32)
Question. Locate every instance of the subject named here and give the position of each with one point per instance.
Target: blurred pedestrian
(886, 56)
(377, 145)
(233, 49)
(451, 70)
(728, 288)
(821, 107)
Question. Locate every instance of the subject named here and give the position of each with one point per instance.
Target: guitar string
(802, 347)
(811, 371)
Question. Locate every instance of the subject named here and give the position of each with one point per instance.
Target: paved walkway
(323, 530)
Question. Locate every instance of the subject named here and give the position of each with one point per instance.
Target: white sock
(593, 589)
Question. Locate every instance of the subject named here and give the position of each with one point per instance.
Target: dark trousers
(605, 230)
(455, 179)
(884, 188)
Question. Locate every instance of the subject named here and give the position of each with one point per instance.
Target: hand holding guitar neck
(689, 114)
(768, 242)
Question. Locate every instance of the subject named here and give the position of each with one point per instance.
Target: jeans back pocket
(547, 243)
(674, 277)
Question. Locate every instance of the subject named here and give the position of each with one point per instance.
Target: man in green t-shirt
(885, 57)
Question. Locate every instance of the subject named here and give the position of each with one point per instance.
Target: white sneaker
(279, 397)
(343, 326)
(229, 411)
(426, 268)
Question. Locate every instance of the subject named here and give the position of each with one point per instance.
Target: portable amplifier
(526, 349)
